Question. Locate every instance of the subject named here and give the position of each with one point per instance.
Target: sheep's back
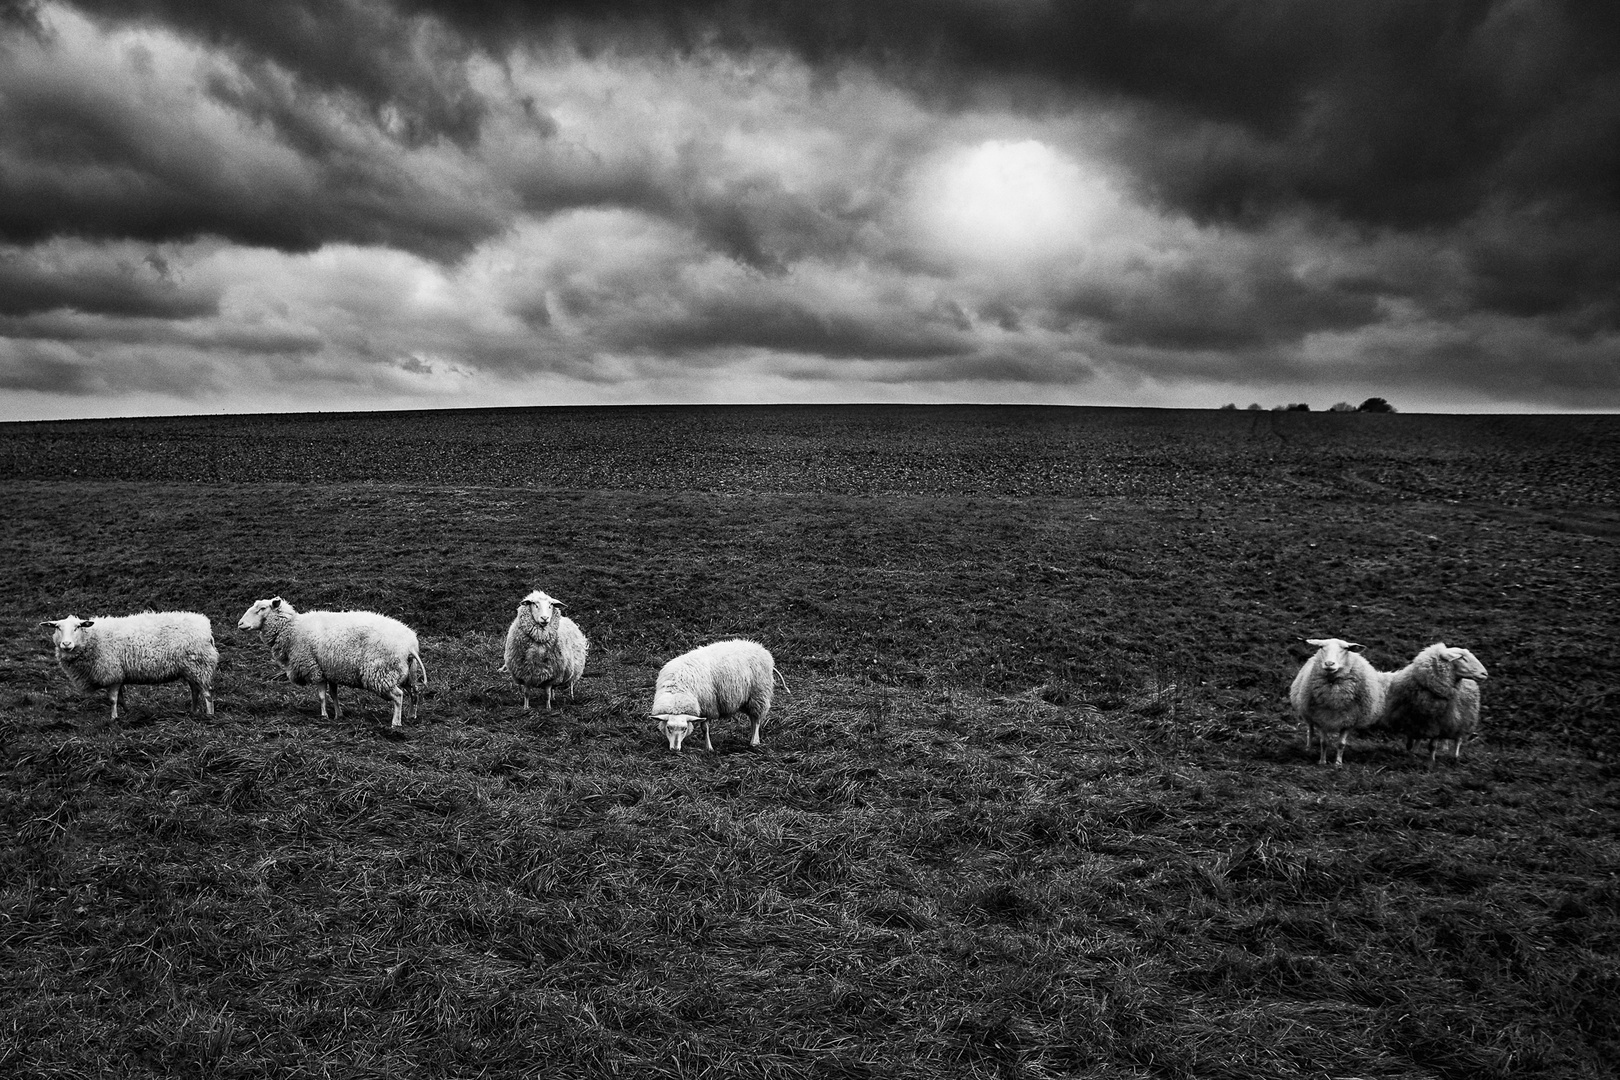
(152, 647)
(717, 679)
(346, 646)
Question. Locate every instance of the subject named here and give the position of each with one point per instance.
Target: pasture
(1034, 807)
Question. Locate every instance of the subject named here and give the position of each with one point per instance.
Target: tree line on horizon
(1372, 404)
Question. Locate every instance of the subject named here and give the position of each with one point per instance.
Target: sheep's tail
(782, 679)
(420, 667)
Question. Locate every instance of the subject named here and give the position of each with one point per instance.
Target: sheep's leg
(416, 696)
(1308, 730)
(1321, 747)
(548, 698)
(399, 705)
(753, 740)
(201, 694)
(707, 745)
(1338, 759)
(116, 695)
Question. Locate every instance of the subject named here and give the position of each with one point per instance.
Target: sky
(230, 206)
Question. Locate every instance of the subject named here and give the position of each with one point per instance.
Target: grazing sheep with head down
(712, 682)
(341, 648)
(1336, 692)
(110, 652)
(544, 648)
(1435, 697)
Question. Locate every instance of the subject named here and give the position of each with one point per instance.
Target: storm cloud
(369, 203)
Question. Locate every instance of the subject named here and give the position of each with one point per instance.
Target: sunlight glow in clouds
(1009, 201)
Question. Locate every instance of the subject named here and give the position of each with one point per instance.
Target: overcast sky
(245, 205)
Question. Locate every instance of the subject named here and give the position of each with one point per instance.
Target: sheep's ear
(1318, 642)
(558, 603)
(275, 602)
(86, 623)
(1354, 645)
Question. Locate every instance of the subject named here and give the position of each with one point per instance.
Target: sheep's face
(675, 727)
(253, 618)
(68, 634)
(1332, 655)
(541, 608)
(1465, 665)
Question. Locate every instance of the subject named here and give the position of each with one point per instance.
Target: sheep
(341, 648)
(1336, 692)
(711, 682)
(110, 652)
(544, 648)
(1435, 697)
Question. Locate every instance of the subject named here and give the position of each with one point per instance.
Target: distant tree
(1301, 407)
(1343, 406)
(1279, 408)
(1255, 406)
(1230, 406)
(1375, 404)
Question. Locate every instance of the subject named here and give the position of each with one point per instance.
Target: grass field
(1033, 809)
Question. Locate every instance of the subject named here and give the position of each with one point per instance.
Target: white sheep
(341, 648)
(544, 647)
(1435, 697)
(109, 652)
(712, 682)
(1336, 692)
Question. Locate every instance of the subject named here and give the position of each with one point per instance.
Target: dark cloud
(107, 157)
(29, 285)
(1391, 111)
(785, 325)
(46, 375)
(409, 76)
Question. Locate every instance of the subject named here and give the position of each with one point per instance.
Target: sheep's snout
(675, 729)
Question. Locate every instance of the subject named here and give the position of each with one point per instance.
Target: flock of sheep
(1435, 697)
(545, 649)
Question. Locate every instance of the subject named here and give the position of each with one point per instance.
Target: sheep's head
(253, 618)
(541, 608)
(1465, 665)
(675, 727)
(1332, 655)
(68, 634)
